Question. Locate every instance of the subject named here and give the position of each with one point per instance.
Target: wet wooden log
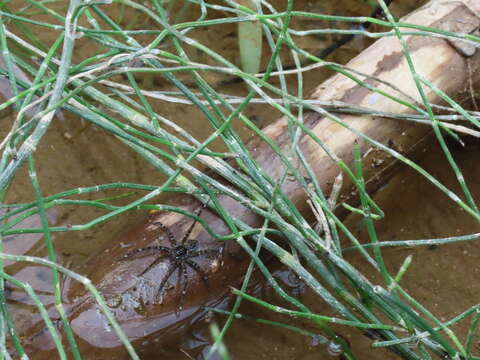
(150, 320)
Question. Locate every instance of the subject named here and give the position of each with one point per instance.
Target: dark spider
(179, 254)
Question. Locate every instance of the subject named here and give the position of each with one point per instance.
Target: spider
(180, 255)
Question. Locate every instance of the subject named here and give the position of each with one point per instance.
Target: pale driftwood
(148, 322)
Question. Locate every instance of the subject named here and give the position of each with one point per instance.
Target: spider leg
(154, 263)
(191, 245)
(145, 249)
(195, 267)
(167, 231)
(183, 271)
(171, 268)
(189, 231)
(210, 253)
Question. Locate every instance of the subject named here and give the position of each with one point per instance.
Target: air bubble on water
(334, 349)
(317, 340)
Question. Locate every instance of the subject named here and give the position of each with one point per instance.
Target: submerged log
(132, 294)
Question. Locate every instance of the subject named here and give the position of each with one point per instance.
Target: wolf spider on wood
(180, 255)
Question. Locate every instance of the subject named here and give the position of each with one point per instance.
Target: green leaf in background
(250, 41)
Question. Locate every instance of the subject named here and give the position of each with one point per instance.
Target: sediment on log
(146, 320)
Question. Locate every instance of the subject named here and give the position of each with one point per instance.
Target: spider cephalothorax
(180, 256)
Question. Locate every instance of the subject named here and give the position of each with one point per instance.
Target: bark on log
(146, 321)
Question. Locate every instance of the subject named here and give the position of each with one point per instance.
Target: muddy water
(75, 154)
